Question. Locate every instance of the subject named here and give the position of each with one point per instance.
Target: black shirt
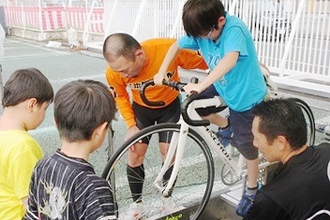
(299, 190)
(63, 187)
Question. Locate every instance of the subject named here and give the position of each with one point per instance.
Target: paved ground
(62, 65)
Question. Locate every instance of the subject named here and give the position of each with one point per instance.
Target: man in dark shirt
(300, 188)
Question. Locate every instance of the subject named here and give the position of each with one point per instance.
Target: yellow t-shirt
(19, 153)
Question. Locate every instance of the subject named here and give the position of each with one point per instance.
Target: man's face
(270, 151)
(126, 67)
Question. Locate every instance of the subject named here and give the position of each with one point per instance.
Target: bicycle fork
(176, 150)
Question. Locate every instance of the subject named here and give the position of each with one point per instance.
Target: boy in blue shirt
(228, 48)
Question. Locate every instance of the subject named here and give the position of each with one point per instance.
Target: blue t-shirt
(244, 85)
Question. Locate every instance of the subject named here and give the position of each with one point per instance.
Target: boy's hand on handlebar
(158, 79)
(192, 87)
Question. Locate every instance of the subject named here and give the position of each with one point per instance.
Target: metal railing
(291, 36)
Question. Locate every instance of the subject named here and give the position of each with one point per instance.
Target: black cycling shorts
(146, 117)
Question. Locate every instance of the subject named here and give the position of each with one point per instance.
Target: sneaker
(135, 211)
(245, 204)
(224, 135)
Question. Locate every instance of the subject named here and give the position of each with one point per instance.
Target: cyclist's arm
(170, 55)
(131, 131)
(221, 69)
(121, 96)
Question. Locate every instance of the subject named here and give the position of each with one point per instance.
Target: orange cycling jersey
(155, 51)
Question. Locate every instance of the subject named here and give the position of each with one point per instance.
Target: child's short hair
(80, 107)
(200, 16)
(24, 84)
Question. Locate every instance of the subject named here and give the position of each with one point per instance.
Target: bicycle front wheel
(193, 183)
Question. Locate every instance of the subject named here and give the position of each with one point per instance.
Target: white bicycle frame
(178, 143)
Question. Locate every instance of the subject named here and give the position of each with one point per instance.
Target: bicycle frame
(190, 143)
(178, 144)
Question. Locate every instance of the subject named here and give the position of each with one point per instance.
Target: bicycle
(192, 178)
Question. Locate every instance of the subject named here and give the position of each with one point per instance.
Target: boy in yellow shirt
(27, 95)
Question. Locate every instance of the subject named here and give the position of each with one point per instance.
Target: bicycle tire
(193, 185)
(310, 120)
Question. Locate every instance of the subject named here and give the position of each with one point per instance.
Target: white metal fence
(291, 36)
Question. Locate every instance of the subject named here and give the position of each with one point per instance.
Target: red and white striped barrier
(55, 18)
(77, 17)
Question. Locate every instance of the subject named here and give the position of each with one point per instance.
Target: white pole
(138, 18)
(114, 7)
(88, 21)
(40, 17)
(292, 34)
(177, 19)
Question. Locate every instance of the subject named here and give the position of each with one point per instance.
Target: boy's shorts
(241, 123)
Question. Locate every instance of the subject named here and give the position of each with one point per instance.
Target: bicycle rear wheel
(229, 178)
(193, 185)
(310, 120)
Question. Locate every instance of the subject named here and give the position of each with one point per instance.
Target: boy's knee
(247, 150)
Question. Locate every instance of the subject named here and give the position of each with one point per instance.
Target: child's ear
(221, 21)
(32, 102)
(104, 125)
(101, 128)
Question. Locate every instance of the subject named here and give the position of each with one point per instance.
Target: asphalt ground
(62, 65)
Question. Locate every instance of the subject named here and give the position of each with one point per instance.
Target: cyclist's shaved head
(120, 44)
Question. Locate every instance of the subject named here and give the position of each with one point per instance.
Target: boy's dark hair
(80, 107)
(24, 84)
(200, 16)
(282, 117)
(120, 44)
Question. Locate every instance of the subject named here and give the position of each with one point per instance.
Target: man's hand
(132, 131)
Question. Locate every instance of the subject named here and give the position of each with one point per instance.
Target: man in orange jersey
(131, 64)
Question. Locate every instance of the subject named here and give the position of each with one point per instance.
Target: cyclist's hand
(192, 87)
(130, 132)
(158, 79)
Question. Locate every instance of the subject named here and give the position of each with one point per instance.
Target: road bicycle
(189, 154)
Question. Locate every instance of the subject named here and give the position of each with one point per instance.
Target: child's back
(64, 185)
